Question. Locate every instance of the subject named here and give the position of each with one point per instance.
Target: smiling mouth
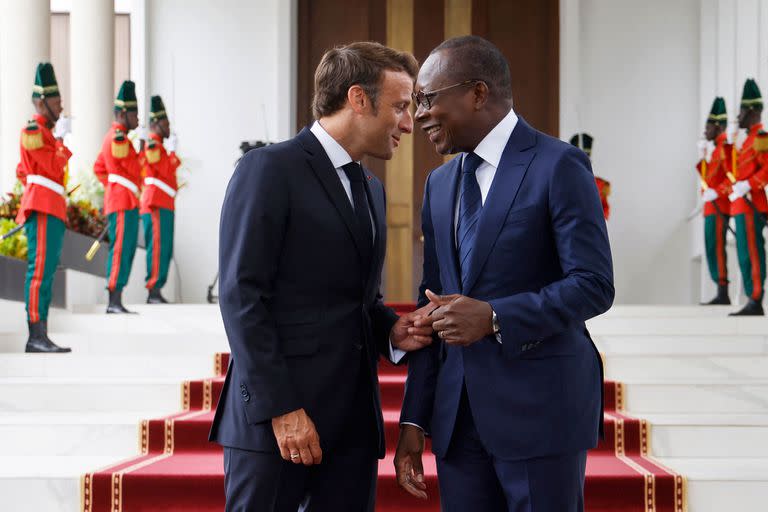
(432, 129)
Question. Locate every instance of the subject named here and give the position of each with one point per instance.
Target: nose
(422, 114)
(406, 125)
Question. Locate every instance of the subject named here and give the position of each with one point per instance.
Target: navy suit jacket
(299, 308)
(542, 260)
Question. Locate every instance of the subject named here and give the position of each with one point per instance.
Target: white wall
(630, 75)
(220, 66)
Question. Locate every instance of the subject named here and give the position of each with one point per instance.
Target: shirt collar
(156, 136)
(492, 146)
(337, 154)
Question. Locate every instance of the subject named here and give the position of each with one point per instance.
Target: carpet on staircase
(177, 469)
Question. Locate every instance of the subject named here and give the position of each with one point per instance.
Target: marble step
(675, 325)
(128, 341)
(90, 394)
(182, 365)
(642, 398)
(712, 435)
(685, 368)
(70, 434)
(681, 344)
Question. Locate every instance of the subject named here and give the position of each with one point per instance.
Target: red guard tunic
(160, 176)
(42, 171)
(118, 168)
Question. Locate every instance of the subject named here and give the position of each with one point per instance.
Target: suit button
(247, 397)
(358, 346)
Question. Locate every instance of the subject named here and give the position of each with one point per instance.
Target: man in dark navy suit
(516, 256)
(303, 237)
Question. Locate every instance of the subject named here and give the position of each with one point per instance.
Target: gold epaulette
(153, 154)
(761, 142)
(120, 145)
(153, 151)
(32, 137)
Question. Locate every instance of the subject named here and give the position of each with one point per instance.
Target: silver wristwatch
(495, 323)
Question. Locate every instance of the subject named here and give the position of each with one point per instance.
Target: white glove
(740, 189)
(142, 132)
(63, 127)
(709, 195)
(702, 146)
(171, 143)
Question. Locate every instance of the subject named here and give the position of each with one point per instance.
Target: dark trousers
(472, 479)
(345, 481)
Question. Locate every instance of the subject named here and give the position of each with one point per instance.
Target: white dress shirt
(490, 150)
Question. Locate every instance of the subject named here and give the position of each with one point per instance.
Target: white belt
(45, 182)
(120, 180)
(161, 185)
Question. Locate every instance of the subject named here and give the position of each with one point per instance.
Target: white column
(25, 40)
(92, 47)
(570, 69)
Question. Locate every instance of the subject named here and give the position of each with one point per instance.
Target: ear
(357, 99)
(481, 94)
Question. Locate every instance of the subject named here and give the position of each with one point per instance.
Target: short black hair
(473, 57)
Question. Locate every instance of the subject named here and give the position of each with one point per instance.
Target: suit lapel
(329, 179)
(513, 165)
(444, 207)
(376, 200)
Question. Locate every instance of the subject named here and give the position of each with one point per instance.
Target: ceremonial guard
(583, 141)
(715, 188)
(748, 201)
(118, 168)
(157, 200)
(42, 170)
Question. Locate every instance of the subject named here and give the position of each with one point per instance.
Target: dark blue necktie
(470, 205)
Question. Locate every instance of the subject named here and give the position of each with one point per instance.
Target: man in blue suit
(303, 236)
(516, 258)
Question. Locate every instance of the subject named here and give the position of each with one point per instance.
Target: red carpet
(179, 470)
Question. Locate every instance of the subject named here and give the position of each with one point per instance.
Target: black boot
(155, 297)
(39, 342)
(115, 305)
(721, 299)
(753, 308)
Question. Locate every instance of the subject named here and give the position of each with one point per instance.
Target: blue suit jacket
(299, 306)
(542, 260)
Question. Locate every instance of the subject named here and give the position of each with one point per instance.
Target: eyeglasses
(425, 98)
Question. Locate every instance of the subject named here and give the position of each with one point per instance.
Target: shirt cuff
(413, 424)
(395, 354)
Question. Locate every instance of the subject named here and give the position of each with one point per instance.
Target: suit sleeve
(423, 364)
(253, 221)
(586, 287)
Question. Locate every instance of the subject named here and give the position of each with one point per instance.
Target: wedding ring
(294, 456)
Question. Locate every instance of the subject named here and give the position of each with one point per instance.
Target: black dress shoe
(39, 342)
(721, 299)
(155, 297)
(753, 308)
(115, 306)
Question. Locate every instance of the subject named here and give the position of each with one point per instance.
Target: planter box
(12, 275)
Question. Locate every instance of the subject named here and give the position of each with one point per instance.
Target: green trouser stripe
(123, 260)
(752, 289)
(166, 245)
(54, 239)
(711, 235)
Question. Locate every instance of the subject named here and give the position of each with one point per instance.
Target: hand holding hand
(461, 320)
(408, 466)
(413, 330)
(297, 438)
